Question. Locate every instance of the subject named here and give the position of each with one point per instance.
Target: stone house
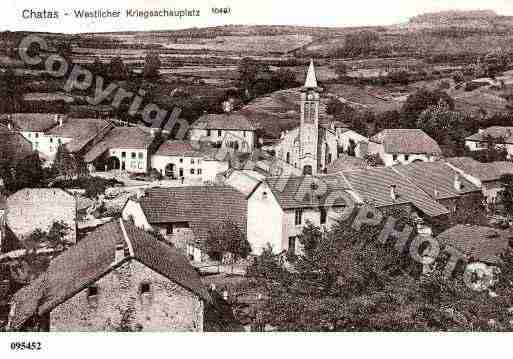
(118, 277)
(485, 176)
(38, 208)
(177, 159)
(227, 130)
(280, 207)
(404, 146)
(184, 215)
(503, 134)
(442, 183)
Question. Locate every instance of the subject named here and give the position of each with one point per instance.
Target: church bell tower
(309, 127)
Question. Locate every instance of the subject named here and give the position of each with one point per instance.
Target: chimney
(393, 193)
(457, 182)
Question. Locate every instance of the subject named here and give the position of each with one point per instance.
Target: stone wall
(119, 304)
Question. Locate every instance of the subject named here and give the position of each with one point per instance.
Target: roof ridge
(126, 238)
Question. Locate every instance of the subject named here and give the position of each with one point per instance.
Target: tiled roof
(494, 131)
(306, 191)
(36, 122)
(13, 146)
(484, 244)
(120, 137)
(346, 163)
(93, 257)
(407, 141)
(201, 206)
(485, 172)
(81, 130)
(373, 185)
(225, 121)
(244, 181)
(436, 179)
(185, 149)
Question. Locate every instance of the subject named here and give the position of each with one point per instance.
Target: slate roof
(373, 185)
(93, 257)
(203, 207)
(485, 172)
(436, 177)
(409, 141)
(306, 191)
(35, 122)
(13, 146)
(81, 130)
(496, 132)
(484, 244)
(120, 137)
(225, 121)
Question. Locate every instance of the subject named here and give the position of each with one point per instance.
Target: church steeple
(311, 78)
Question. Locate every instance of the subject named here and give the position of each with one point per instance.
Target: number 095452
(25, 345)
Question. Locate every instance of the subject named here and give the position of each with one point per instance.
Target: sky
(338, 13)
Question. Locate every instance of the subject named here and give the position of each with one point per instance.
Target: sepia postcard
(253, 168)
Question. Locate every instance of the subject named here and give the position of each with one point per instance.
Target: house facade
(404, 146)
(118, 278)
(228, 130)
(503, 135)
(185, 215)
(280, 208)
(181, 159)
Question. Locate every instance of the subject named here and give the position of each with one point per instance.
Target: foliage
(493, 152)
(94, 186)
(226, 237)
(53, 238)
(341, 70)
(152, 65)
(27, 173)
(506, 196)
(10, 91)
(68, 165)
(421, 100)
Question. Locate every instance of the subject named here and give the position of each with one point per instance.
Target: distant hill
(477, 19)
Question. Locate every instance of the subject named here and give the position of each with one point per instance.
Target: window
(140, 165)
(141, 155)
(123, 154)
(192, 161)
(51, 140)
(324, 214)
(59, 141)
(406, 157)
(29, 135)
(145, 288)
(219, 133)
(208, 133)
(299, 217)
(244, 133)
(92, 295)
(181, 160)
(134, 155)
(37, 135)
(394, 157)
(192, 171)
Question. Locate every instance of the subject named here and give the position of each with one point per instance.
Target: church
(313, 146)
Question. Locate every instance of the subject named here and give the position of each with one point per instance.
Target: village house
(227, 130)
(503, 135)
(33, 127)
(389, 191)
(78, 135)
(279, 208)
(346, 163)
(118, 278)
(442, 183)
(185, 215)
(403, 146)
(313, 145)
(485, 176)
(14, 147)
(39, 208)
(126, 149)
(183, 159)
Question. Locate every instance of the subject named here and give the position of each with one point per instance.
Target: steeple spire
(311, 79)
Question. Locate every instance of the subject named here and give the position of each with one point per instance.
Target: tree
(68, 165)
(283, 79)
(10, 90)
(118, 70)
(27, 173)
(506, 195)
(420, 101)
(341, 70)
(152, 65)
(226, 237)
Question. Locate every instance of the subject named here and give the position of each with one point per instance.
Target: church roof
(311, 78)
